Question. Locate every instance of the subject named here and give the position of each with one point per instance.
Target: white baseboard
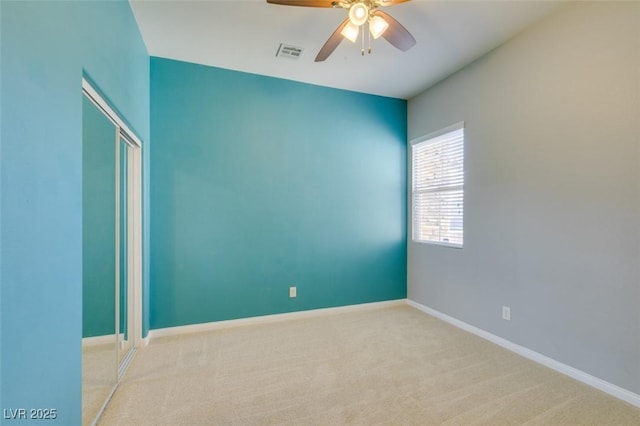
(217, 325)
(609, 388)
(98, 340)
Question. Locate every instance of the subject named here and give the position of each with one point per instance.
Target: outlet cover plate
(506, 313)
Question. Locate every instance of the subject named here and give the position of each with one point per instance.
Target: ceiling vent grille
(287, 51)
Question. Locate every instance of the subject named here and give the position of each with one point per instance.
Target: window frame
(425, 138)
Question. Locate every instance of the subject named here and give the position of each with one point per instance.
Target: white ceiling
(244, 35)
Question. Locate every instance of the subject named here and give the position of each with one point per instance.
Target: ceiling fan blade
(391, 2)
(396, 34)
(307, 3)
(332, 43)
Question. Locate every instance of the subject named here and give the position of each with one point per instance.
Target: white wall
(552, 191)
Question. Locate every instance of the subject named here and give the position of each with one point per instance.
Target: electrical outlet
(506, 313)
(292, 292)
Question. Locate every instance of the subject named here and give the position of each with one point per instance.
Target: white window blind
(438, 189)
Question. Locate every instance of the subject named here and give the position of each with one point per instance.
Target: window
(438, 187)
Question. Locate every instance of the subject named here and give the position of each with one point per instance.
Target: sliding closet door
(99, 350)
(112, 250)
(125, 343)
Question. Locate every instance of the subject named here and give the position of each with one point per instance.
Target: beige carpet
(395, 366)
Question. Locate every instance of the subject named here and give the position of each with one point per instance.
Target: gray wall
(552, 191)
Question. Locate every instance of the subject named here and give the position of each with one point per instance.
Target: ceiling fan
(360, 13)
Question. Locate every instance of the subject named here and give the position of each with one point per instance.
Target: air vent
(287, 51)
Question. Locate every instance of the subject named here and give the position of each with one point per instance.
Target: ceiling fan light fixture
(350, 32)
(377, 26)
(358, 13)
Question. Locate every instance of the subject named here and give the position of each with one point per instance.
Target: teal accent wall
(258, 184)
(98, 222)
(45, 48)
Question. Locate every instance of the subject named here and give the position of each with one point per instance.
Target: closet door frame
(134, 219)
